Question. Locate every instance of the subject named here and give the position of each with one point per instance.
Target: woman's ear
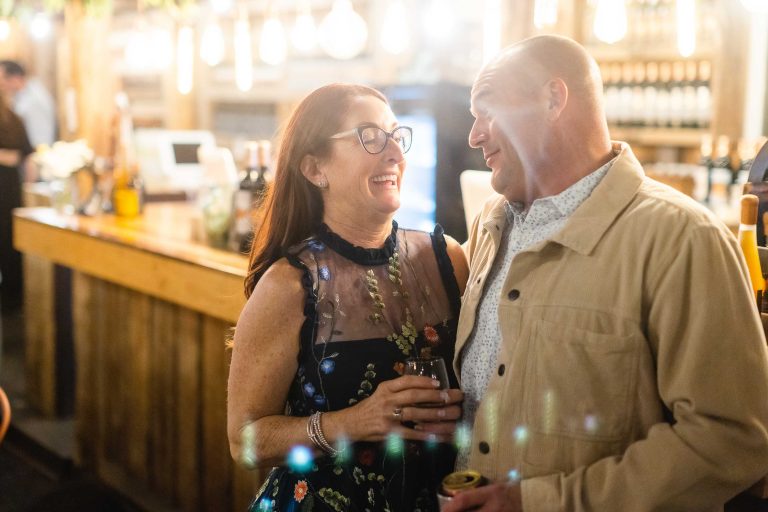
(310, 168)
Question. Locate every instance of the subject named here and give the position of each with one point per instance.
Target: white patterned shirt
(523, 229)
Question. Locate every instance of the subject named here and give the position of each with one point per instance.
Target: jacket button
(513, 294)
(484, 448)
(479, 279)
(502, 369)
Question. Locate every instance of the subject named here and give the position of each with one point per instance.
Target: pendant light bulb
(686, 27)
(439, 20)
(243, 54)
(756, 6)
(40, 27)
(545, 13)
(221, 6)
(343, 33)
(610, 21)
(185, 58)
(272, 45)
(304, 32)
(212, 44)
(395, 32)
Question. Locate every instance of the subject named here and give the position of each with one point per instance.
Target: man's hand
(501, 497)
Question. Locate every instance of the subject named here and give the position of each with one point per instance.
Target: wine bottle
(748, 242)
(127, 191)
(249, 195)
(242, 202)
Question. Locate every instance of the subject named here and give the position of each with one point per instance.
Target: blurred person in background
(31, 101)
(339, 297)
(14, 148)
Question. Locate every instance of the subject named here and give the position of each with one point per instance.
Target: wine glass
(432, 367)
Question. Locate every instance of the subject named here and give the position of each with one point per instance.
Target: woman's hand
(396, 401)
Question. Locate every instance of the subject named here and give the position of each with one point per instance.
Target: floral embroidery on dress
(334, 499)
(364, 391)
(327, 365)
(430, 334)
(300, 490)
(407, 338)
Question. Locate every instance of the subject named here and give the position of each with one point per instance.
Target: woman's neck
(362, 233)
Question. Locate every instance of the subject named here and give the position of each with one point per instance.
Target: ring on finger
(397, 413)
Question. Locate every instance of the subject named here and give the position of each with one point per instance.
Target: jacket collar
(591, 220)
(587, 225)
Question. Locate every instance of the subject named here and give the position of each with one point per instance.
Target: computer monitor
(168, 160)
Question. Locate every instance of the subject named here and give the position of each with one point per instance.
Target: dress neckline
(359, 255)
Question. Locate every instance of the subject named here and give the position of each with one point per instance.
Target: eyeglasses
(374, 139)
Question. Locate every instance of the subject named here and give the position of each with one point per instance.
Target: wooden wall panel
(245, 484)
(40, 344)
(111, 374)
(86, 327)
(163, 388)
(217, 492)
(189, 411)
(135, 385)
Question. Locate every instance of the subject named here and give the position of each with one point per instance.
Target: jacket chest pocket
(580, 383)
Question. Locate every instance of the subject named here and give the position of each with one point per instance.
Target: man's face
(10, 84)
(4, 85)
(507, 128)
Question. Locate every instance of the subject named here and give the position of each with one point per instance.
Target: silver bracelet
(315, 434)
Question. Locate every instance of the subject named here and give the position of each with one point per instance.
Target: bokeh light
(521, 434)
(462, 437)
(300, 459)
(395, 444)
(591, 423)
(248, 445)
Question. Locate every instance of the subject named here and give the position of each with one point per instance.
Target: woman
(339, 297)
(14, 148)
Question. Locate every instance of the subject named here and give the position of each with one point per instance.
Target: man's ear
(557, 97)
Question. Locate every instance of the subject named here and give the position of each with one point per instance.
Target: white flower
(62, 159)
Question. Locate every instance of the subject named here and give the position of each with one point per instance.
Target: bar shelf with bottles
(658, 102)
(654, 97)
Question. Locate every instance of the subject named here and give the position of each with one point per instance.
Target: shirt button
(484, 448)
(513, 294)
(502, 369)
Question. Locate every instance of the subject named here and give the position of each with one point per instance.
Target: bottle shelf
(646, 136)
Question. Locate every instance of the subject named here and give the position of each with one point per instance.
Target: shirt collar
(566, 202)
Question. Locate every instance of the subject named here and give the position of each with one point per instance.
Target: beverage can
(457, 482)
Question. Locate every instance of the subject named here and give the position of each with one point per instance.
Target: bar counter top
(155, 253)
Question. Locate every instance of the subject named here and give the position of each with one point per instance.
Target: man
(608, 344)
(31, 101)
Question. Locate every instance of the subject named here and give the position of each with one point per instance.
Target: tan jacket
(633, 370)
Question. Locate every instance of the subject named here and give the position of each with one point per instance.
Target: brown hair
(293, 207)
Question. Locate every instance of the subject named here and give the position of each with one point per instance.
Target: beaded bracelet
(315, 434)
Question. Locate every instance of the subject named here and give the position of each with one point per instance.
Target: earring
(322, 182)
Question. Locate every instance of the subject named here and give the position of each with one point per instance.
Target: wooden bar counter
(150, 313)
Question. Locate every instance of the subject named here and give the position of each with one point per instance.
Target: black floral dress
(367, 310)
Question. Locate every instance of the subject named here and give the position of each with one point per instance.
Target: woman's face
(359, 182)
